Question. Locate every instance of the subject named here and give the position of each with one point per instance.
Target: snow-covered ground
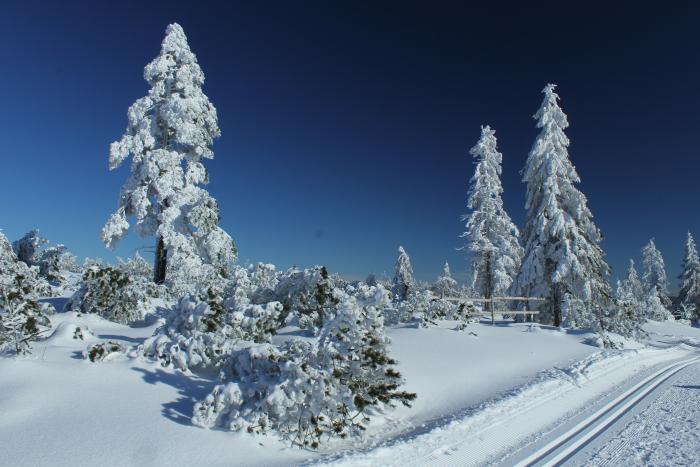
(666, 432)
(481, 394)
(503, 425)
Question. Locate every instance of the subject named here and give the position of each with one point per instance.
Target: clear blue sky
(346, 125)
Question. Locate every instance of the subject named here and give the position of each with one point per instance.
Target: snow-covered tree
(403, 277)
(307, 296)
(202, 332)
(22, 317)
(27, 248)
(414, 308)
(56, 262)
(170, 133)
(355, 346)
(308, 391)
(113, 293)
(655, 278)
(272, 388)
(689, 294)
(492, 238)
(631, 288)
(632, 302)
(371, 280)
(446, 285)
(654, 308)
(562, 244)
(136, 267)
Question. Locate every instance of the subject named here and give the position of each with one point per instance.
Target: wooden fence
(491, 301)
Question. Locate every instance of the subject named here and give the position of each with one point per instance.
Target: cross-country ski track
(564, 447)
(549, 421)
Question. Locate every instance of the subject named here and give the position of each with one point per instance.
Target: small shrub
(104, 351)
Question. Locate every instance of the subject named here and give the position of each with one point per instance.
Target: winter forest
(194, 358)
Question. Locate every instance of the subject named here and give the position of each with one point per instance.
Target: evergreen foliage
(655, 279)
(688, 300)
(170, 133)
(563, 260)
(403, 280)
(22, 317)
(113, 293)
(307, 296)
(492, 238)
(304, 390)
(445, 286)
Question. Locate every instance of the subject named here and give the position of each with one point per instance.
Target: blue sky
(346, 125)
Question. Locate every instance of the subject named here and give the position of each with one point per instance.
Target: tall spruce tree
(403, 277)
(655, 279)
(563, 259)
(170, 133)
(688, 300)
(492, 238)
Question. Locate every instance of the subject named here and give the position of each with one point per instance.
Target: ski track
(665, 433)
(491, 432)
(566, 446)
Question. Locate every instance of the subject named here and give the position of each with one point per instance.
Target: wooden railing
(491, 301)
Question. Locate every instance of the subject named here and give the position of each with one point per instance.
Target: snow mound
(69, 332)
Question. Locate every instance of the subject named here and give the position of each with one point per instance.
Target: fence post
(493, 320)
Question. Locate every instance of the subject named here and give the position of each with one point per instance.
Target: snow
(452, 370)
(60, 409)
(667, 432)
(493, 430)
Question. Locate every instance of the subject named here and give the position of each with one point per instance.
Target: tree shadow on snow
(149, 319)
(119, 337)
(190, 388)
(294, 332)
(57, 302)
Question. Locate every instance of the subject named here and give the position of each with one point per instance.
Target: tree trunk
(488, 283)
(161, 262)
(556, 304)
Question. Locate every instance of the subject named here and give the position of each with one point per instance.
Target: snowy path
(664, 432)
(567, 405)
(566, 446)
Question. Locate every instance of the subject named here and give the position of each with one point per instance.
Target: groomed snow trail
(493, 431)
(567, 445)
(667, 432)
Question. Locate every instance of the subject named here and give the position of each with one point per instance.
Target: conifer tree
(655, 278)
(631, 287)
(403, 277)
(170, 133)
(27, 247)
(446, 285)
(562, 244)
(492, 238)
(632, 302)
(689, 295)
(22, 317)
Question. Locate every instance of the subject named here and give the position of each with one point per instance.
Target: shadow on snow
(190, 388)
